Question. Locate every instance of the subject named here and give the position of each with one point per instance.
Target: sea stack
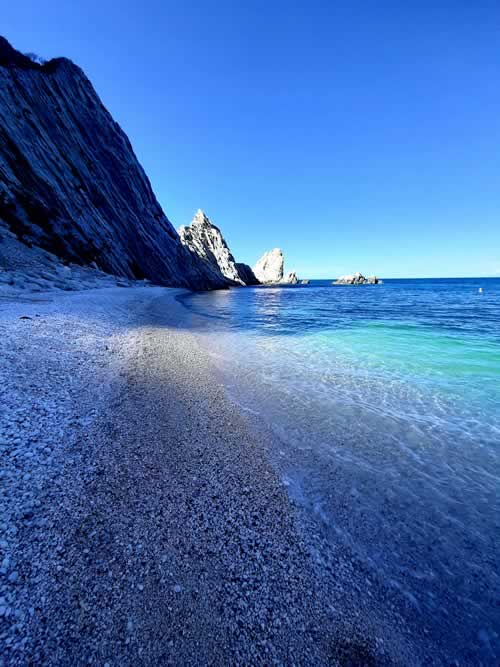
(205, 240)
(357, 279)
(291, 278)
(269, 270)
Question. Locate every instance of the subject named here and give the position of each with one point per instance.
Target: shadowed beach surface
(142, 520)
(383, 408)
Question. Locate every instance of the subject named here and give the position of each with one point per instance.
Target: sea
(383, 405)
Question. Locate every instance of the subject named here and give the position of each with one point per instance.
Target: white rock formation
(290, 278)
(357, 279)
(269, 268)
(205, 240)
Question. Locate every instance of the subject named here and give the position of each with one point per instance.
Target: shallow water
(385, 403)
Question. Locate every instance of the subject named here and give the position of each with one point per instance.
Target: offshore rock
(71, 184)
(205, 240)
(357, 279)
(269, 268)
(290, 278)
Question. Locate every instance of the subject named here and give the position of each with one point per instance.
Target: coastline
(143, 518)
(204, 475)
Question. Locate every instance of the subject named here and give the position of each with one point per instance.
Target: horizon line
(422, 277)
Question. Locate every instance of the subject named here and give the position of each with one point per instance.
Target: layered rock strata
(71, 184)
(205, 240)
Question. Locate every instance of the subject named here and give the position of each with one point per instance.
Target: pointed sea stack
(204, 239)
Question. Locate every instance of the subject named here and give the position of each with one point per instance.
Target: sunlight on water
(385, 404)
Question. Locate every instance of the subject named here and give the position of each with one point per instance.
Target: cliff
(246, 274)
(204, 239)
(71, 184)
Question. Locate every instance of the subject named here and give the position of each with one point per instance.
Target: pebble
(96, 626)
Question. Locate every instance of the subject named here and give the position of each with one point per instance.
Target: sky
(356, 136)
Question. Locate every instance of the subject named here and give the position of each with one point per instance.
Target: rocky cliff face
(246, 274)
(71, 183)
(205, 240)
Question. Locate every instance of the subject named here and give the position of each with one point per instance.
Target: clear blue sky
(360, 135)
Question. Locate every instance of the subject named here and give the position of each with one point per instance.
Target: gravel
(141, 519)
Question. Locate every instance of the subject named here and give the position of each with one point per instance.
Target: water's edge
(393, 463)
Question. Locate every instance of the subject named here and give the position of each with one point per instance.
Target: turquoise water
(384, 405)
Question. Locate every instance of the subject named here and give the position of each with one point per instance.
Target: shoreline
(155, 529)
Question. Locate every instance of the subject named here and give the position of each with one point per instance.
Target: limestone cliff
(204, 239)
(71, 183)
